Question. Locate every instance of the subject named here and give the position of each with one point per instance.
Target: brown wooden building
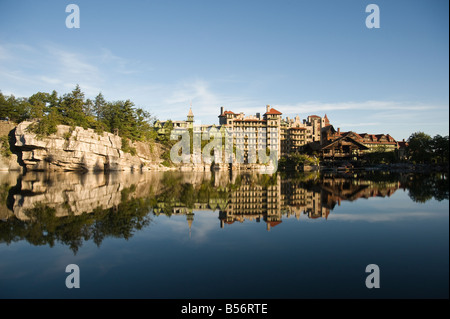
(344, 147)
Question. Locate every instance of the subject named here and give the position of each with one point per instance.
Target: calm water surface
(216, 235)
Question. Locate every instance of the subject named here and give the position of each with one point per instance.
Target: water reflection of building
(253, 201)
(288, 198)
(237, 197)
(337, 189)
(301, 200)
(266, 198)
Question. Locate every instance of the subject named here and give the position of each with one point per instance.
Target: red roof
(314, 116)
(273, 224)
(375, 138)
(228, 112)
(272, 111)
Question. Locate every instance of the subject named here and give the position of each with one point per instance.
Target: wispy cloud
(28, 69)
(121, 65)
(359, 106)
(205, 100)
(359, 124)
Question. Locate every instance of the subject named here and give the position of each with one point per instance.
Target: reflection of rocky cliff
(7, 181)
(71, 193)
(69, 208)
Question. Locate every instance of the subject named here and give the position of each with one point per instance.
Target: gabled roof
(228, 112)
(272, 111)
(350, 133)
(376, 138)
(348, 138)
(328, 128)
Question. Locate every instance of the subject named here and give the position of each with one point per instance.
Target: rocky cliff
(78, 149)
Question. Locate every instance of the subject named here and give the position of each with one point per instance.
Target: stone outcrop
(78, 149)
(9, 162)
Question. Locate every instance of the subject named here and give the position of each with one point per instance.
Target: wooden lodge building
(351, 145)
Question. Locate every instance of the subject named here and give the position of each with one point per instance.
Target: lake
(224, 235)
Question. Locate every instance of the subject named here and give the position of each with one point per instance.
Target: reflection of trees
(425, 187)
(44, 228)
(176, 193)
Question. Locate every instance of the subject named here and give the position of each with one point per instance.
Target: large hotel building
(283, 135)
(270, 131)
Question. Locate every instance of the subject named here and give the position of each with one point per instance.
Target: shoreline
(392, 168)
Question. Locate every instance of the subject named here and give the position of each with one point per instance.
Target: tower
(190, 117)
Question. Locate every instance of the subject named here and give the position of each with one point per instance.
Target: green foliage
(5, 150)
(14, 109)
(67, 135)
(296, 161)
(74, 109)
(380, 156)
(419, 148)
(166, 163)
(423, 187)
(4, 192)
(165, 137)
(47, 125)
(126, 147)
(423, 148)
(440, 146)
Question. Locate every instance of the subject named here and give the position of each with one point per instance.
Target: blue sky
(301, 57)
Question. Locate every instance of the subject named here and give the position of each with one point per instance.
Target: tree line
(422, 148)
(51, 109)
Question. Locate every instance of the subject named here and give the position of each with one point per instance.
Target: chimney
(339, 131)
(267, 108)
(221, 110)
(258, 116)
